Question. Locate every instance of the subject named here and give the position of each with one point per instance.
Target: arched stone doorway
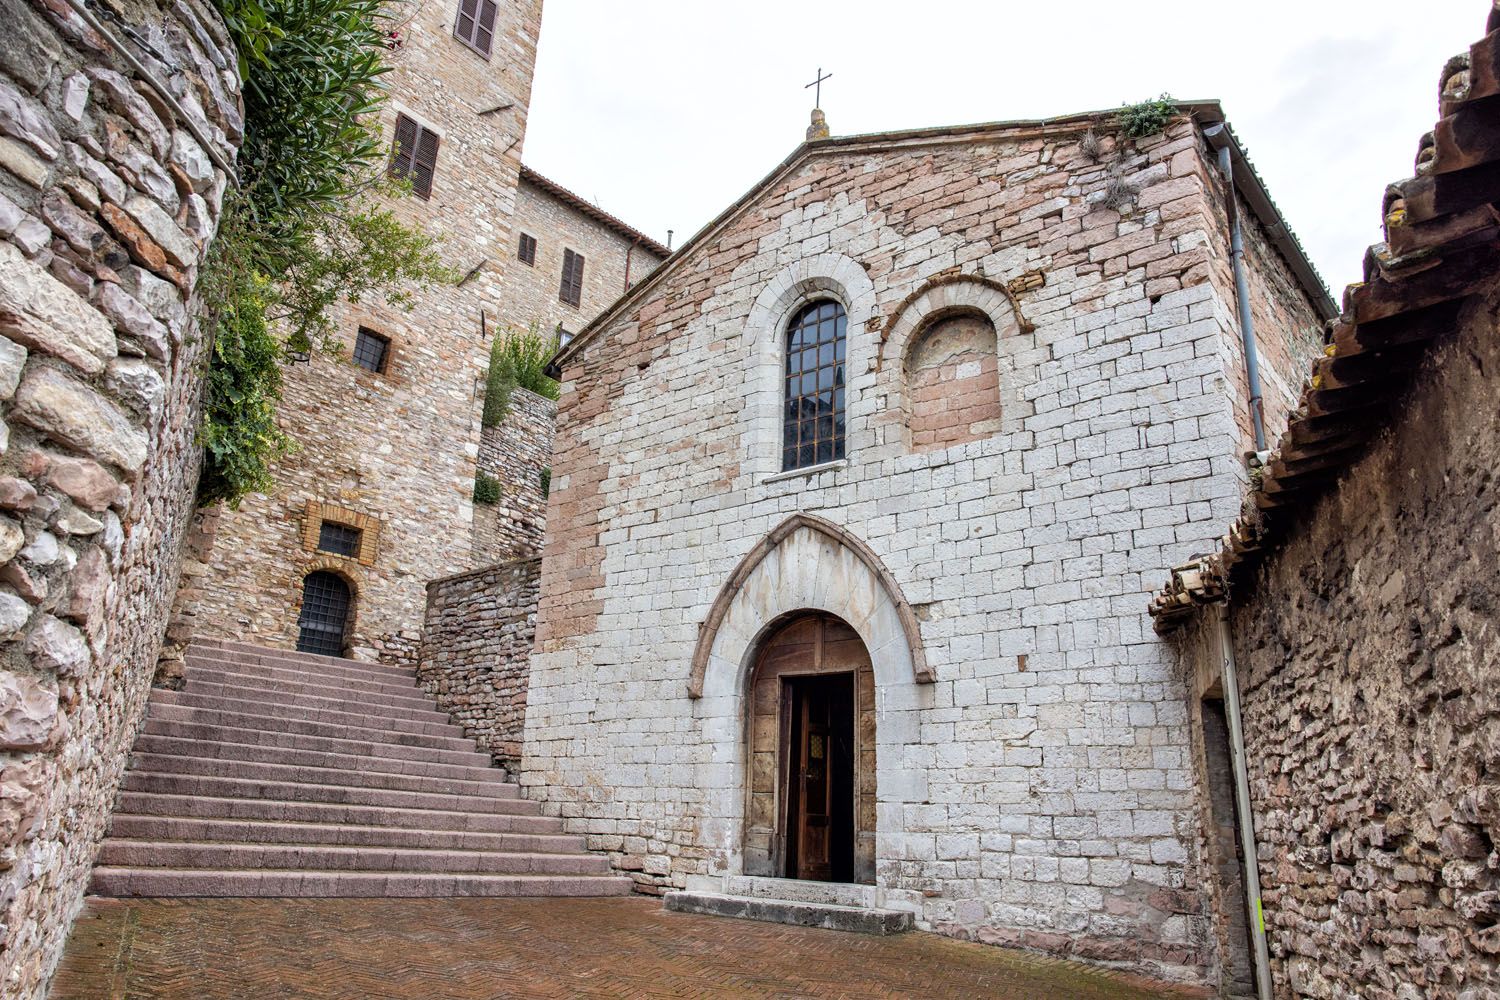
(811, 738)
(323, 622)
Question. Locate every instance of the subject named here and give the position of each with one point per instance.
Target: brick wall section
(476, 651)
(1041, 792)
(399, 446)
(953, 380)
(516, 452)
(106, 205)
(1366, 648)
(531, 292)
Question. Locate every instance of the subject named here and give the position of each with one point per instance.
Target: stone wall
(476, 651)
(106, 205)
(1039, 792)
(517, 453)
(1366, 647)
(531, 290)
(396, 447)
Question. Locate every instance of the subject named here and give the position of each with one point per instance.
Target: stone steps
(837, 906)
(247, 831)
(284, 774)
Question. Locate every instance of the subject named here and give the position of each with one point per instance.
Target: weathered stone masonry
(106, 205)
(476, 651)
(1040, 792)
(518, 453)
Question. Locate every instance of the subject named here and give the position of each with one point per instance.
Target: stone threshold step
(196, 806)
(464, 754)
(257, 831)
(860, 920)
(249, 653)
(218, 767)
(182, 855)
(113, 881)
(297, 791)
(477, 769)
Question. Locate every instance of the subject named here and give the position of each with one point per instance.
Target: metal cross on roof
(818, 94)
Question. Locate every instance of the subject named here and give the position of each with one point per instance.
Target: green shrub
(486, 489)
(546, 482)
(517, 358)
(1147, 117)
(308, 225)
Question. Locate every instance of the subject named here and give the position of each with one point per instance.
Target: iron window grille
(526, 252)
(813, 424)
(325, 614)
(371, 350)
(475, 25)
(414, 155)
(339, 539)
(571, 290)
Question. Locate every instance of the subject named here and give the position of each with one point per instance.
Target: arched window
(325, 614)
(813, 423)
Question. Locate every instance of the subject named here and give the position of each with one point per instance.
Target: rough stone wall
(398, 446)
(476, 651)
(517, 452)
(1040, 793)
(953, 383)
(531, 290)
(1366, 647)
(106, 205)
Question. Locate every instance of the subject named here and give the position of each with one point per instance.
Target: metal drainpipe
(1254, 913)
(1241, 287)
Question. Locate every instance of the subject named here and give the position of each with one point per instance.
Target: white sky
(665, 111)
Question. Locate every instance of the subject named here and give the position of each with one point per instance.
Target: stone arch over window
(831, 276)
(956, 356)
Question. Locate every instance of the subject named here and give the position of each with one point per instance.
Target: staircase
(287, 774)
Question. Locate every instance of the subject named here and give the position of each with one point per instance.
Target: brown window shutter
(466, 21)
(571, 288)
(484, 27)
(424, 162)
(404, 148)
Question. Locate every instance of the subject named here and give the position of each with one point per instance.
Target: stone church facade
(377, 498)
(893, 632)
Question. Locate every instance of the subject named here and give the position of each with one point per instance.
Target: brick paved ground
(477, 949)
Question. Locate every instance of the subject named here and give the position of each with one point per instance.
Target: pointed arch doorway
(812, 753)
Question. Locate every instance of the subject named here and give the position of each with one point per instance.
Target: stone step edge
(577, 846)
(218, 677)
(244, 720)
(211, 883)
(293, 709)
(331, 772)
(855, 919)
(468, 752)
(302, 661)
(339, 849)
(262, 783)
(294, 803)
(335, 676)
(372, 763)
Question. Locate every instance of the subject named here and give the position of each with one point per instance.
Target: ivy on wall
(309, 225)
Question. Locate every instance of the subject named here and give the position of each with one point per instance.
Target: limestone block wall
(106, 205)
(398, 446)
(476, 650)
(1040, 791)
(1367, 650)
(531, 295)
(518, 453)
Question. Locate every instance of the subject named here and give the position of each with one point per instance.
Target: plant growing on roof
(517, 358)
(309, 224)
(1145, 118)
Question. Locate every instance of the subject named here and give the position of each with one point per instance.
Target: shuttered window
(475, 25)
(526, 252)
(571, 290)
(414, 155)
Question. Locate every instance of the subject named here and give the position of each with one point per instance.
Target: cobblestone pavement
(477, 949)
